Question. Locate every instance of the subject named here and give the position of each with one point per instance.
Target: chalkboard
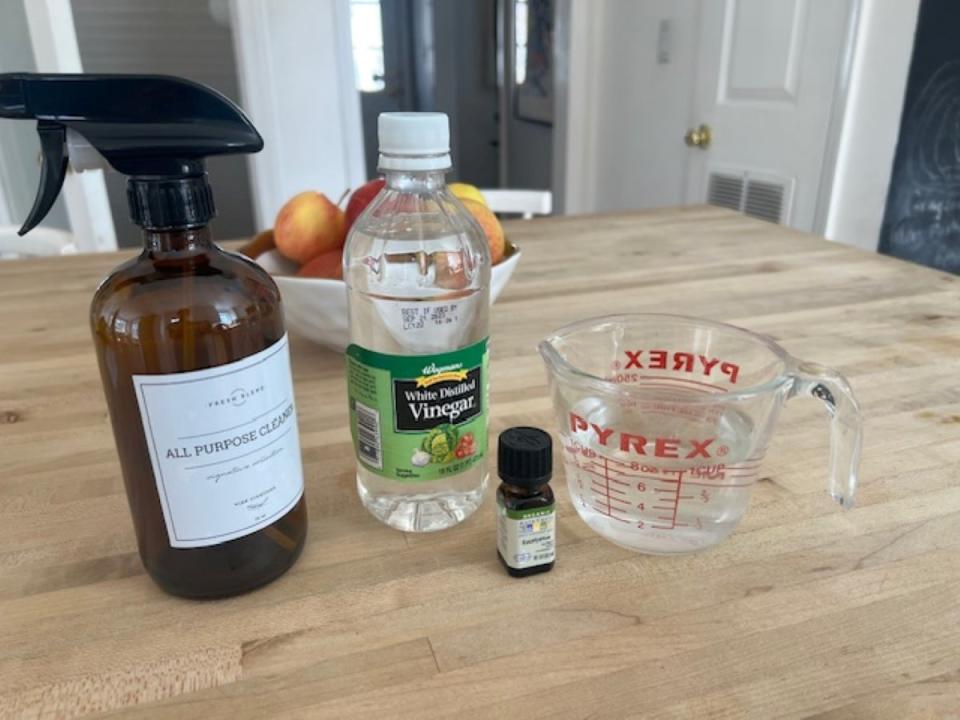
(922, 218)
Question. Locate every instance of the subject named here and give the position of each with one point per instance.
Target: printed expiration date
(421, 317)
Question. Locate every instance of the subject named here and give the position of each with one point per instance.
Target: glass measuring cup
(665, 419)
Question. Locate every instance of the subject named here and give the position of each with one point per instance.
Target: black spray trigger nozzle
(53, 170)
(157, 130)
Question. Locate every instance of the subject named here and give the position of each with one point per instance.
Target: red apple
(309, 225)
(361, 198)
(325, 265)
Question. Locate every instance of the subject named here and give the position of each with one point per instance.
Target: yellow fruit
(260, 244)
(465, 191)
(491, 228)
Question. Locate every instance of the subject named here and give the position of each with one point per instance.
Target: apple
(450, 271)
(361, 197)
(491, 228)
(466, 191)
(309, 225)
(325, 265)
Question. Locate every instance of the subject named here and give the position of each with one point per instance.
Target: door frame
(295, 65)
(838, 112)
(5, 217)
(53, 38)
(579, 31)
(576, 132)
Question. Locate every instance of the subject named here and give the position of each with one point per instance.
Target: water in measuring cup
(396, 277)
(659, 504)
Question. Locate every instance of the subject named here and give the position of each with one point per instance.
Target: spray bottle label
(224, 446)
(416, 418)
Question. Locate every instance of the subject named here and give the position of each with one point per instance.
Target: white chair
(525, 203)
(39, 242)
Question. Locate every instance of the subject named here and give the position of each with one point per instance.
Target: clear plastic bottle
(417, 269)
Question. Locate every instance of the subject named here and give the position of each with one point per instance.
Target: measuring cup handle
(846, 427)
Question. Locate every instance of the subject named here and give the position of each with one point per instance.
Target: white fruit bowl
(316, 308)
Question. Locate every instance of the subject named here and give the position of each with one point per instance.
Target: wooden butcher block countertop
(806, 610)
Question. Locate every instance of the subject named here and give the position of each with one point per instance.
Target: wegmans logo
(432, 374)
(449, 393)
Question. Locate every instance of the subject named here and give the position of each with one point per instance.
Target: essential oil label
(224, 446)
(526, 538)
(416, 418)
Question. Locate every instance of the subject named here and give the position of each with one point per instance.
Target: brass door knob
(698, 137)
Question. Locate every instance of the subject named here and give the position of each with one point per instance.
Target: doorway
(178, 37)
(729, 102)
(468, 59)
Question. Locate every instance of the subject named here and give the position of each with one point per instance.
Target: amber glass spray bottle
(190, 339)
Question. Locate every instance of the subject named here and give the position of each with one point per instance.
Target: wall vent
(764, 197)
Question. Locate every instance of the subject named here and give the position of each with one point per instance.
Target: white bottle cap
(414, 141)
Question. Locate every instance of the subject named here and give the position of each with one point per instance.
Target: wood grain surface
(806, 611)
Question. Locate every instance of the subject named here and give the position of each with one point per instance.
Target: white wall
(296, 77)
(621, 103)
(175, 37)
(871, 122)
(19, 146)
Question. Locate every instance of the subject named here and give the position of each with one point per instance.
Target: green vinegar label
(416, 418)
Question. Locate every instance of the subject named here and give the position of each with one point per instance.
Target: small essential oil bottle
(526, 517)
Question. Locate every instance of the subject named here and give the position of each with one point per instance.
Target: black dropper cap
(525, 457)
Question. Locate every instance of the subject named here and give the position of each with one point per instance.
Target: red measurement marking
(604, 490)
(607, 501)
(608, 469)
(610, 508)
(673, 498)
(593, 472)
(595, 484)
(684, 381)
(718, 486)
(668, 386)
(686, 497)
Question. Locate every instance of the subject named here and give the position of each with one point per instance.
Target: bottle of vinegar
(190, 339)
(417, 268)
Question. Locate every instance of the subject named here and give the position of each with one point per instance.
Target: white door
(767, 78)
